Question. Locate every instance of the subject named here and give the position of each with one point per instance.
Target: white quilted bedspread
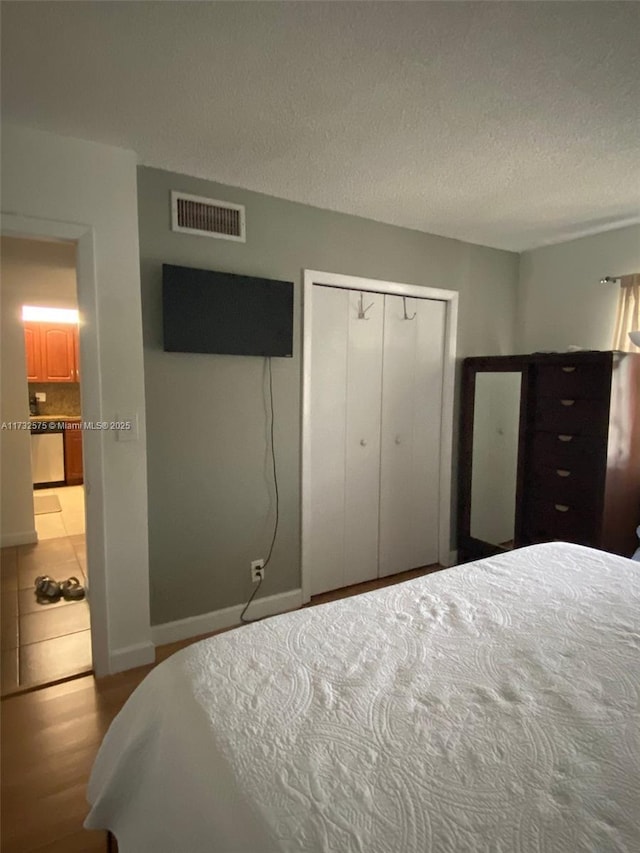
(491, 707)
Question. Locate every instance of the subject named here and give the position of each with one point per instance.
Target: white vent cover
(192, 214)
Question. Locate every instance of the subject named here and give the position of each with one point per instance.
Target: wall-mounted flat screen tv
(217, 312)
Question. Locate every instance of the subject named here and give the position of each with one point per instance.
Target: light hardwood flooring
(49, 740)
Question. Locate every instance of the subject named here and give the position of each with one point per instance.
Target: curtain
(628, 316)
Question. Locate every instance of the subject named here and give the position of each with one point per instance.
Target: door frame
(350, 282)
(90, 393)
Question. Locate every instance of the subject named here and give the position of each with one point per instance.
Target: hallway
(44, 643)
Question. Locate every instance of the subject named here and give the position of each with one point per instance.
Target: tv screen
(217, 312)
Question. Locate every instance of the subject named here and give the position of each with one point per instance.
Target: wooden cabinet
(33, 352)
(52, 352)
(73, 469)
(58, 353)
(577, 477)
(591, 497)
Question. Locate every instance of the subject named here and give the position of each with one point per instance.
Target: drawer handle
(561, 507)
(567, 402)
(562, 472)
(565, 437)
(568, 369)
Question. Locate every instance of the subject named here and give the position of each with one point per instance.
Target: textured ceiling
(510, 124)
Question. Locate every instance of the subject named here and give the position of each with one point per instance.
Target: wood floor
(49, 740)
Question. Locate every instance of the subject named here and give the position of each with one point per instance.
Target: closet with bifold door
(375, 414)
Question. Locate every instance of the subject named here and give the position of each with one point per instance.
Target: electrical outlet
(257, 570)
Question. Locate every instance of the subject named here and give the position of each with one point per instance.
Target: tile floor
(43, 643)
(69, 522)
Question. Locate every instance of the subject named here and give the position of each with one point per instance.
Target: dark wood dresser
(578, 462)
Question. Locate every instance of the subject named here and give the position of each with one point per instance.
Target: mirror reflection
(495, 457)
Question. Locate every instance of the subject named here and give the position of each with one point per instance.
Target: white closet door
(329, 341)
(362, 452)
(346, 372)
(410, 444)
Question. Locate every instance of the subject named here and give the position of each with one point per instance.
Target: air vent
(192, 214)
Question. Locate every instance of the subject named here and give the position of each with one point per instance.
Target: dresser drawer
(574, 415)
(546, 520)
(570, 486)
(591, 381)
(567, 450)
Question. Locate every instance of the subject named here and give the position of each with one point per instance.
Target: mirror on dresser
(493, 392)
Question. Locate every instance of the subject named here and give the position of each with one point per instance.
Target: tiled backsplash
(63, 398)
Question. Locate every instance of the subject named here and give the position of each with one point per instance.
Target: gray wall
(561, 300)
(210, 498)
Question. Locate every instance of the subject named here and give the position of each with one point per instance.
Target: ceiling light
(49, 315)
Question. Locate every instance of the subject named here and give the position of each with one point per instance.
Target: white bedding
(491, 707)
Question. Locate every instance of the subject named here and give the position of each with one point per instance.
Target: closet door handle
(561, 507)
(567, 402)
(562, 472)
(363, 442)
(568, 369)
(398, 440)
(565, 438)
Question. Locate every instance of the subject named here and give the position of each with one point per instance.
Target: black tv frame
(220, 313)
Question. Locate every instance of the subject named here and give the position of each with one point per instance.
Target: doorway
(383, 378)
(46, 619)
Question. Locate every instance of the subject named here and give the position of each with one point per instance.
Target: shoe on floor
(47, 589)
(72, 589)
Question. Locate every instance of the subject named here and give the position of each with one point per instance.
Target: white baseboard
(183, 629)
(131, 656)
(10, 540)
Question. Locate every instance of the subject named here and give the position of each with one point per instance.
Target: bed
(489, 707)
